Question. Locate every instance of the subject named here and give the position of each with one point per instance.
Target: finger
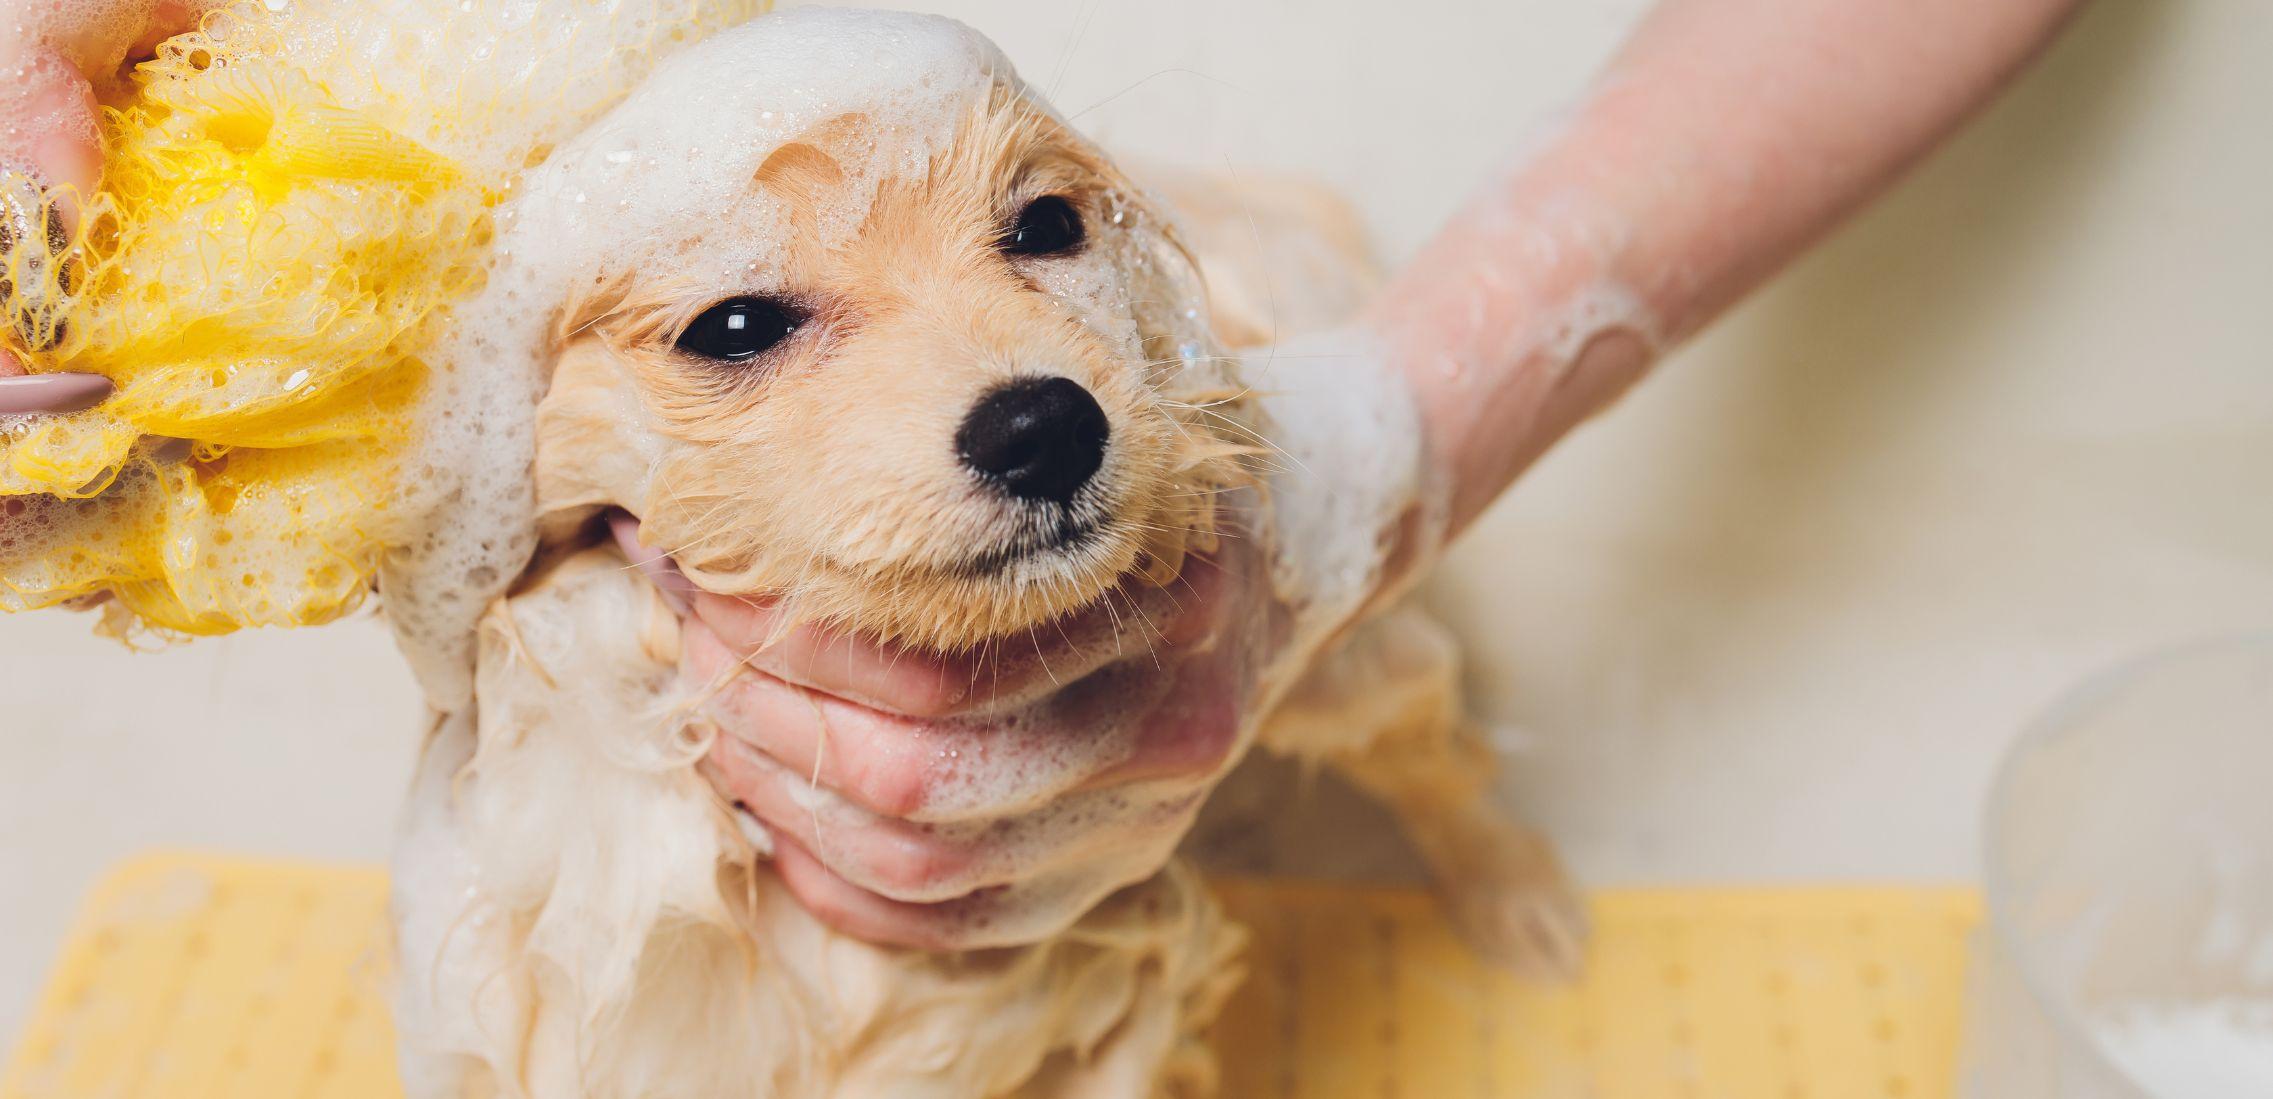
(103, 46)
(1129, 722)
(1191, 734)
(53, 109)
(52, 392)
(934, 770)
(895, 858)
(866, 915)
(1031, 911)
(1010, 672)
(882, 763)
(46, 95)
(900, 680)
(1122, 833)
(887, 677)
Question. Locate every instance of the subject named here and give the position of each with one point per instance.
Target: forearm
(1725, 137)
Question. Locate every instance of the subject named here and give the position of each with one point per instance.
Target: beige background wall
(1772, 617)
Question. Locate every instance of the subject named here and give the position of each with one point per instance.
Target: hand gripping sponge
(293, 197)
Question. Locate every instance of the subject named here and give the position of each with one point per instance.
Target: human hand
(958, 802)
(48, 104)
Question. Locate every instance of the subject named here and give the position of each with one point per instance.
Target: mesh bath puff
(293, 198)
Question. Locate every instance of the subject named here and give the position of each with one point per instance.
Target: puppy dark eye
(1048, 226)
(739, 329)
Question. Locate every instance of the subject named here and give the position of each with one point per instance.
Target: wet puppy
(969, 412)
(927, 367)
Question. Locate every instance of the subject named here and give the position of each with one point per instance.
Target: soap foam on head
(667, 167)
(673, 163)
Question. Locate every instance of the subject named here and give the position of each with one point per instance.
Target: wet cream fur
(579, 916)
(825, 475)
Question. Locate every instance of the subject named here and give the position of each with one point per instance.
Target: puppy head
(933, 390)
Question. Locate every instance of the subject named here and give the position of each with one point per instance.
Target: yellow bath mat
(193, 977)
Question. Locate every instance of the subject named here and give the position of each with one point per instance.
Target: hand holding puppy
(1669, 195)
(49, 102)
(955, 802)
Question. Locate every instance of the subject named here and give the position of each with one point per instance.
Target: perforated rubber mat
(194, 977)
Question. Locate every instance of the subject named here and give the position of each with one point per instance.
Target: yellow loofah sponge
(256, 276)
(262, 273)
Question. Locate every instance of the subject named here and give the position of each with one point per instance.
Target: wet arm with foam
(1724, 137)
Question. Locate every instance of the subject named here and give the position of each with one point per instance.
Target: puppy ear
(1221, 439)
(798, 172)
(1169, 298)
(595, 443)
(1283, 256)
(805, 171)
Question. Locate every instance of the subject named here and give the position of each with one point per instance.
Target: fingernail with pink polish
(53, 393)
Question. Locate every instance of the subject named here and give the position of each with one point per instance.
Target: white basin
(2129, 873)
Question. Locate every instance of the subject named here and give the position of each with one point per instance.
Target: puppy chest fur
(578, 917)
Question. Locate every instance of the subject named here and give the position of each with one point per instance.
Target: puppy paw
(1506, 894)
(1538, 930)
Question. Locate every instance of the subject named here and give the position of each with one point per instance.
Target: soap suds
(335, 411)
(2212, 1049)
(1348, 437)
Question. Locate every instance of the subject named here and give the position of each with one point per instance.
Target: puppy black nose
(1036, 439)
